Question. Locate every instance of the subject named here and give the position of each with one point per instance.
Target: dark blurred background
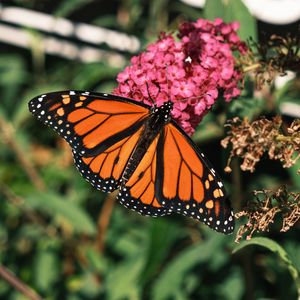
(68, 241)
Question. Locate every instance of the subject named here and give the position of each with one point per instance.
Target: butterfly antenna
(191, 98)
(168, 84)
(149, 93)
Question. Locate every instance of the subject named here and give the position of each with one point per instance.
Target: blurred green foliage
(50, 217)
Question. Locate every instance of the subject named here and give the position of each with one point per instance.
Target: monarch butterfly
(121, 143)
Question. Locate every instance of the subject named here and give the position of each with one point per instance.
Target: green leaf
(13, 77)
(64, 208)
(278, 250)
(158, 15)
(237, 11)
(293, 248)
(97, 262)
(214, 9)
(129, 243)
(46, 269)
(208, 131)
(4, 288)
(67, 7)
(87, 284)
(162, 232)
(123, 280)
(246, 107)
(189, 12)
(233, 286)
(169, 284)
(91, 74)
(108, 21)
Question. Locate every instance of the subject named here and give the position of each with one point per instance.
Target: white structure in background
(195, 3)
(269, 11)
(288, 108)
(275, 11)
(63, 28)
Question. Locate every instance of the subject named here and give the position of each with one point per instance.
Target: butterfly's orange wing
(104, 170)
(102, 129)
(89, 122)
(187, 184)
(138, 193)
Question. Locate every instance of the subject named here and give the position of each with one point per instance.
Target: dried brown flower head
(272, 57)
(251, 140)
(262, 210)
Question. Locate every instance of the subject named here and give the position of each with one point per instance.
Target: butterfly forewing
(90, 123)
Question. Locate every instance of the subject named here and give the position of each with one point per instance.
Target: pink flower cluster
(191, 72)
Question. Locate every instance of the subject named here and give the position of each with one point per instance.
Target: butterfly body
(118, 143)
(153, 125)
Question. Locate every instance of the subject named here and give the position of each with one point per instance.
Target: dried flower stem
(283, 138)
(251, 140)
(10, 139)
(237, 186)
(272, 57)
(103, 221)
(261, 211)
(19, 285)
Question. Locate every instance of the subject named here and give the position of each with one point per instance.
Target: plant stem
(251, 67)
(284, 138)
(237, 194)
(19, 285)
(103, 221)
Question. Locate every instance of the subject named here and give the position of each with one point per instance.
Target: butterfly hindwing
(104, 170)
(89, 122)
(187, 184)
(138, 193)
